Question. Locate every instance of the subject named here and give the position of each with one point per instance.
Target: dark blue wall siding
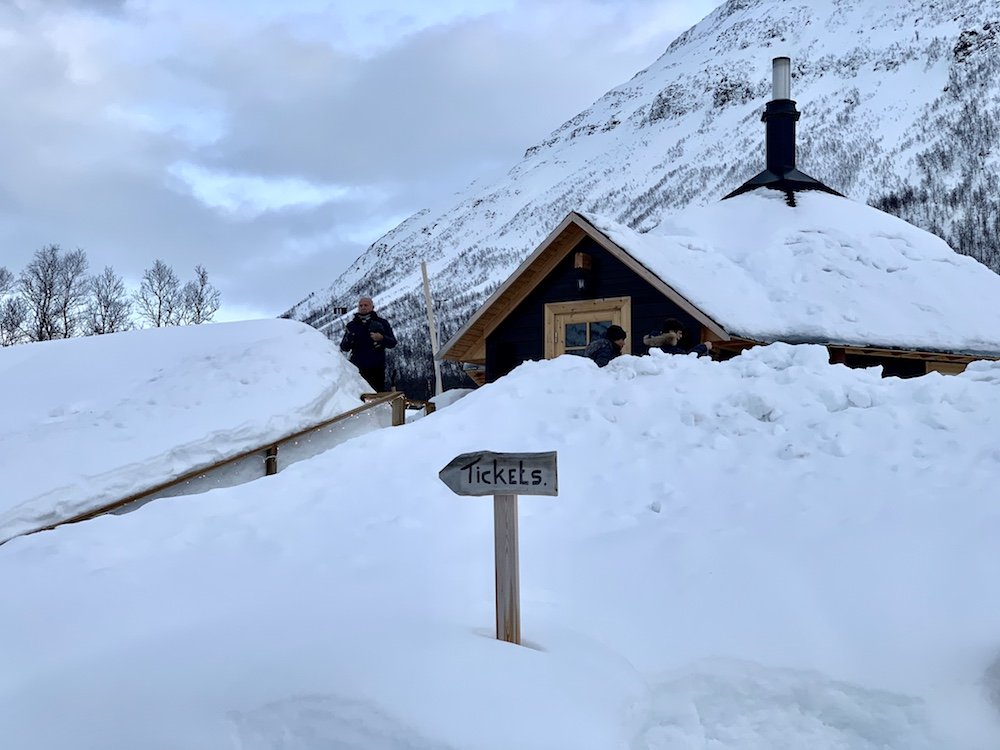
(521, 336)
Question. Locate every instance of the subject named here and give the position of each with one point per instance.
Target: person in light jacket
(367, 337)
(669, 340)
(606, 348)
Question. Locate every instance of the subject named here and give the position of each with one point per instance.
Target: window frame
(558, 314)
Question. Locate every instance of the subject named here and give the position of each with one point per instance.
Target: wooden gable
(469, 343)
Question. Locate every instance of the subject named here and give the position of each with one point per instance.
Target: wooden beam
(476, 376)
(915, 354)
(946, 368)
(655, 281)
(508, 580)
(466, 338)
(399, 411)
(545, 264)
(432, 328)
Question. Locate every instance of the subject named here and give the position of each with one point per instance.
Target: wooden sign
(504, 475)
(489, 473)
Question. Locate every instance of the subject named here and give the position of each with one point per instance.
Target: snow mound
(87, 421)
(766, 552)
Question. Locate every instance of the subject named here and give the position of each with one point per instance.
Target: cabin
(781, 258)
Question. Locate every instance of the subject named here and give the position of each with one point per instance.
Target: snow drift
(91, 420)
(767, 552)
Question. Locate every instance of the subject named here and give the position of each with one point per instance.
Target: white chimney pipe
(781, 78)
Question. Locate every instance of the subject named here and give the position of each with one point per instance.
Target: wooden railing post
(271, 461)
(399, 410)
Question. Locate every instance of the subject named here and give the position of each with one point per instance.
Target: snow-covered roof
(828, 270)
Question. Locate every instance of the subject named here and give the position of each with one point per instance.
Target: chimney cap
(781, 78)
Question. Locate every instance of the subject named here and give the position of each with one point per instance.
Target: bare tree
(200, 300)
(53, 287)
(39, 285)
(109, 309)
(159, 298)
(71, 291)
(13, 315)
(6, 281)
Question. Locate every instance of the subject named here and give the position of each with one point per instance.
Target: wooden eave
(738, 342)
(937, 356)
(469, 343)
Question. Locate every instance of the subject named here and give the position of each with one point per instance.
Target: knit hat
(672, 324)
(614, 333)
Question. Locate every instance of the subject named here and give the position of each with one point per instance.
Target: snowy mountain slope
(900, 110)
(725, 566)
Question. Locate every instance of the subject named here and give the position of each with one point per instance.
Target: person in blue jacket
(606, 348)
(669, 340)
(367, 337)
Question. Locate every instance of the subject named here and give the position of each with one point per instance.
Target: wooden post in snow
(433, 327)
(398, 410)
(271, 461)
(508, 578)
(504, 475)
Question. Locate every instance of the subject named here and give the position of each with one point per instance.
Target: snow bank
(767, 552)
(91, 420)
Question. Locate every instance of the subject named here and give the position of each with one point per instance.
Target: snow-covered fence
(382, 410)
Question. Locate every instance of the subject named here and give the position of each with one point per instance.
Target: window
(578, 335)
(570, 326)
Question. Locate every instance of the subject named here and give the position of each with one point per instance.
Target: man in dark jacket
(605, 349)
(670, 340)
(367, 337)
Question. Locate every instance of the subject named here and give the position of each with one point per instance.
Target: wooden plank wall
(521, 335)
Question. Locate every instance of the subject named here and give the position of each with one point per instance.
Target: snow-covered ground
(767, 553)
(88, 421)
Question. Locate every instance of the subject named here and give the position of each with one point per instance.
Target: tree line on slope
(953, 193)
(54, 297)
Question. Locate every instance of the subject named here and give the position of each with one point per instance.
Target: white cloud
(250, 195)
(286, 136)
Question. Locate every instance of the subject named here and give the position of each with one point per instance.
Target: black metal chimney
(780, 116)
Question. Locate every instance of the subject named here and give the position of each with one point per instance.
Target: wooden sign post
(505, 476)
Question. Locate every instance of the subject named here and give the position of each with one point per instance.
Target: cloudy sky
(273, 141)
